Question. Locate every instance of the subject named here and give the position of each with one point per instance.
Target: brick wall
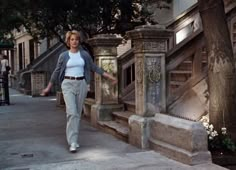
(38, 82)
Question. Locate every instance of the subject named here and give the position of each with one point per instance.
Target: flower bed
(221, 146)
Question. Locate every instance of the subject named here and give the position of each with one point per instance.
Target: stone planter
(60, 99)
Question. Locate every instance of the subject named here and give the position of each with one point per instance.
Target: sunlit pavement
(32, 137)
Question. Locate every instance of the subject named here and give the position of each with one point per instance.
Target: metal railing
(4, 90)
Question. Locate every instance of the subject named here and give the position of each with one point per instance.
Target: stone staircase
(119, 125)
(43, 64)
(184, 71)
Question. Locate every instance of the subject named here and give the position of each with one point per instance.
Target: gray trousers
(74, 93)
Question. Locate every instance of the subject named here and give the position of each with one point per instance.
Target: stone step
(184, 66)
(122, 117)
(181, 72)
(178, 83)
(115, 128)
(123, 114)
(60, 99)
(179, 77)
(87, 108)
(130, 105)
(90, 101)
(190, 62)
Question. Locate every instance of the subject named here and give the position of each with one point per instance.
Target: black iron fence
(4, 90)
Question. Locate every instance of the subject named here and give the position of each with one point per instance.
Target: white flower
(224, 130)
(205, 124)
(204, 119)
(214, 133)
(211, 127)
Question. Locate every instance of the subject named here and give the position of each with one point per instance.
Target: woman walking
(73, 71)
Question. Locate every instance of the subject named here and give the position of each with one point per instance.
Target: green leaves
(228, 144)
(222, 143)
(43, 18)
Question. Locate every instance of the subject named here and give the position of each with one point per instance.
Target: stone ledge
(180, 154)
(179, 139)
(139, 131)
(119, 128)
(123, 115)
(88, 102)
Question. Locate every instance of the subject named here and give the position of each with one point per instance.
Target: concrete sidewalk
(32, 137)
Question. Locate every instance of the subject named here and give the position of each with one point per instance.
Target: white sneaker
(73, 147)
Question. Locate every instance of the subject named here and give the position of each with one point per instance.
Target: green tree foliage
(9, 17)
(43, 18)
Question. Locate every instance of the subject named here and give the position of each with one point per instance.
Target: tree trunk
(221, 64)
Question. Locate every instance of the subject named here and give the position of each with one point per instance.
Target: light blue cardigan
(59, 71)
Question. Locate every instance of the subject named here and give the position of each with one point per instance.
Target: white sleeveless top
(75, 65)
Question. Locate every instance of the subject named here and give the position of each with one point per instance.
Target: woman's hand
(114, 81)
(44, 92)
(109, 76)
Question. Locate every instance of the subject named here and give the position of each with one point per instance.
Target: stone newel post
(106, 95)
(150, 45)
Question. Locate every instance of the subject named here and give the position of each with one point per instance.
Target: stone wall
(38, 82)
(179, 139)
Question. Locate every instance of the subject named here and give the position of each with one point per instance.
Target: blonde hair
(69, 34)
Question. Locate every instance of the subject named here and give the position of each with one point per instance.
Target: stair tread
(90, 100)
(190, 62)
(123, 114)
(130, 102)
(177, 82)
(122, 129)
(181, 71)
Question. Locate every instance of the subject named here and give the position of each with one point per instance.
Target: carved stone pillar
(106, 94)
(150, 45)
